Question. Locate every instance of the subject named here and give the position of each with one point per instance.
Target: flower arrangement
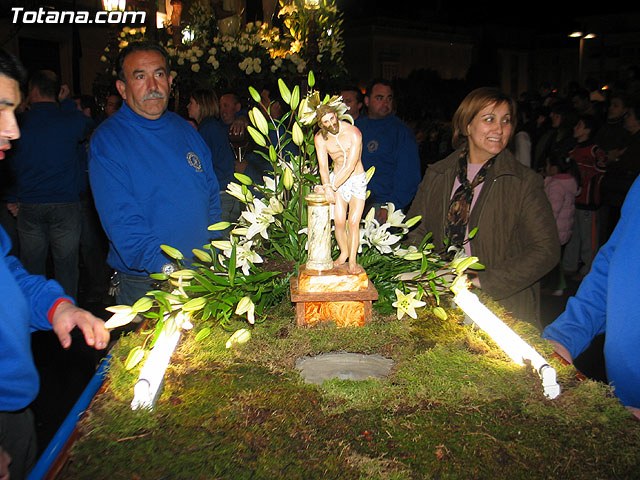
(256, 55)
(248, 272)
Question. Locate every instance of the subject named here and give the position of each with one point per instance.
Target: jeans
(583, 244)
(51, 225)
(18, 438)
(132, 288)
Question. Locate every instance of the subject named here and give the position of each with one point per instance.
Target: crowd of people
(545, 181)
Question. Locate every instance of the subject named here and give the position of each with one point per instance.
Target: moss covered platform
(453, 407)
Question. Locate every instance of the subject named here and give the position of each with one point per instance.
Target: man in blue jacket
(606, 303)
(28, 303)
(390, 146)
(151, 175)
(47, 163)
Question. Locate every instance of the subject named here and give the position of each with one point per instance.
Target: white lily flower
(122, 315)
(269, 183)
(276, 205)
(396, 217)
(244, 256)
(259, 217)
(237, 191)
(378, 237)
(246, 305)
(402, 252)
(407, 304)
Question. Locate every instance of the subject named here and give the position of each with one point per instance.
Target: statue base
(332, 295)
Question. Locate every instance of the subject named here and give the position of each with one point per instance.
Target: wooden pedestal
(332, 295)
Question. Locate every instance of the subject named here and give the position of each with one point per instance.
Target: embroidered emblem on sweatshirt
(194, 161)
(372, 146)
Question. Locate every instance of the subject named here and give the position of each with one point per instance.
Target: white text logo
(20, 15)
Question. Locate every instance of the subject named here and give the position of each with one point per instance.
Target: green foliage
(453, 407)
(248, 271)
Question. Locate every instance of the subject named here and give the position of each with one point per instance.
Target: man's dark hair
(377, 81)
(139, 47)
(10, 67)
(47, 83)
(234, 95)
(353, 88)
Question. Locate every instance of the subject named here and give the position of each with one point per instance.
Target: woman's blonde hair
(207, 100)
(472, 104)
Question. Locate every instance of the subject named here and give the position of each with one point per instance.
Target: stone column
(319, 232)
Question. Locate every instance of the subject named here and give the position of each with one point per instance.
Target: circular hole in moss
(344, 366)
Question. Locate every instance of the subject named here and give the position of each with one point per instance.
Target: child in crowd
(561, 186)
(591, 161)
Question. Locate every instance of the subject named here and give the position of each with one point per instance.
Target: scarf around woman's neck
(460, 206)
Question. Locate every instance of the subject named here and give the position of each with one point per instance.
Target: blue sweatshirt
(46, 158)
(26, 302)
(153, 183)
(216, 136)
(606, 303)
(390, 146)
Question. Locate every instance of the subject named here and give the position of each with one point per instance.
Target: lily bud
(296, 134)
(260, 121)
(172, 252)
(285, 93)
(287, 178)
(239, 337)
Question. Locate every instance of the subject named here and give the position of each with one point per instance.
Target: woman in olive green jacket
(517, 239)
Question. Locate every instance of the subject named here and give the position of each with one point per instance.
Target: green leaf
(232, 265)
(156, 333)
(136, 354)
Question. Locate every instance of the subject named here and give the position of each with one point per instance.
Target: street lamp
(114, 5)
(582, 38)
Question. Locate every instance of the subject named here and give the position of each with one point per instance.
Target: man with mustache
(151, 174)
(390, 146)
(346, 186)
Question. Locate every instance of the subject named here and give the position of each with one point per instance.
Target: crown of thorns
(311, 105)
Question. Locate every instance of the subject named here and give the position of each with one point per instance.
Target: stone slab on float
(332, 295)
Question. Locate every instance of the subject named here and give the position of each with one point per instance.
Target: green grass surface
(453, 407)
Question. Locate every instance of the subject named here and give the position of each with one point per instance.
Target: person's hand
(5, 461)
(65, 92)
(239, 125)
(13, 208)
(67, 316)
(562, 351)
